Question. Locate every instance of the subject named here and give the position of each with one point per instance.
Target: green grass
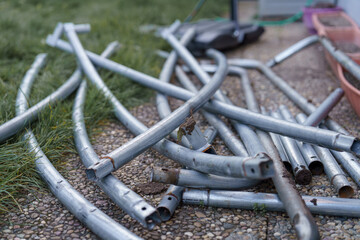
(24, 25)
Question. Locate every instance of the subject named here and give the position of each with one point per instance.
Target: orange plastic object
(324, 30)
(351, 92)
(338, 35)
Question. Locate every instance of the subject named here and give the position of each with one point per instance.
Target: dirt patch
(150, 188)
(347, 47)
(334, 21)
(352, 80)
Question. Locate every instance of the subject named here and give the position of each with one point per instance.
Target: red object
(351, 92)
(338, 34)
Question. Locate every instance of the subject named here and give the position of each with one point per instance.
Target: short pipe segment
(271, 202)
(194, 179)
(335, 174)
(307, 134)
(290, 92)
(292, 50)
(311, 158)
(97, 221)
(301, 172)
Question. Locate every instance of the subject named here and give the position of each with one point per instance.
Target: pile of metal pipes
(272, 145)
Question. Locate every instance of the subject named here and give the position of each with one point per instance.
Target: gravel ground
(43, 217)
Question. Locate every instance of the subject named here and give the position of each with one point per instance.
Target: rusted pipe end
(316, 167)
(164, 175)
(346, 192)
(165, 213)
(302, 176)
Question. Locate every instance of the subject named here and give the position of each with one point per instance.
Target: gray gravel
(43, 217)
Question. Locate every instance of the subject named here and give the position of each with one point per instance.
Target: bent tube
(140, 143)
(194, 179)
(97, 221)
(128, 151)
(124, 197)
(335, 174)
(290, 92)
(252, 167)
(307, 134)
(271, 202)
(230, 140)
(292, 50)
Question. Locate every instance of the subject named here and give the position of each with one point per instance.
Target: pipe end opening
(303, 176)
(346, 192)
(316, 167)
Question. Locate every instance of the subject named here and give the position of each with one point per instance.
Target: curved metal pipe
(124, 197)
(97, 221)
(16, 124)
(306, 134)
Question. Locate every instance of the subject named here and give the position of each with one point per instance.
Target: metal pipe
(279, 146)
(349, 162)
(123, 196)
(162, 104)
(306, 134)
(252, 167)
(345, 61)
(169, 202)
(304, 223)
(194, 179)
(97, 221)
(248, 136)
(210, 134)
(172, 197)
(301, 172)
(230, 140)
(291, 93)
(292, 50)
(311, 158)
(335, 174)
(131, 149)
(128, 151)
(270, 202)
(325, 107)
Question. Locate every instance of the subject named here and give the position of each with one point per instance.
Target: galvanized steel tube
(291, 93)
(230, 140)
(292, 50)
(194, 179)
(301, 172)
(97, 221)
(335, 174)
(270, 202)
(128, 151)
(124, 197)
(299, 214)
(307, 134)
(325, 107)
